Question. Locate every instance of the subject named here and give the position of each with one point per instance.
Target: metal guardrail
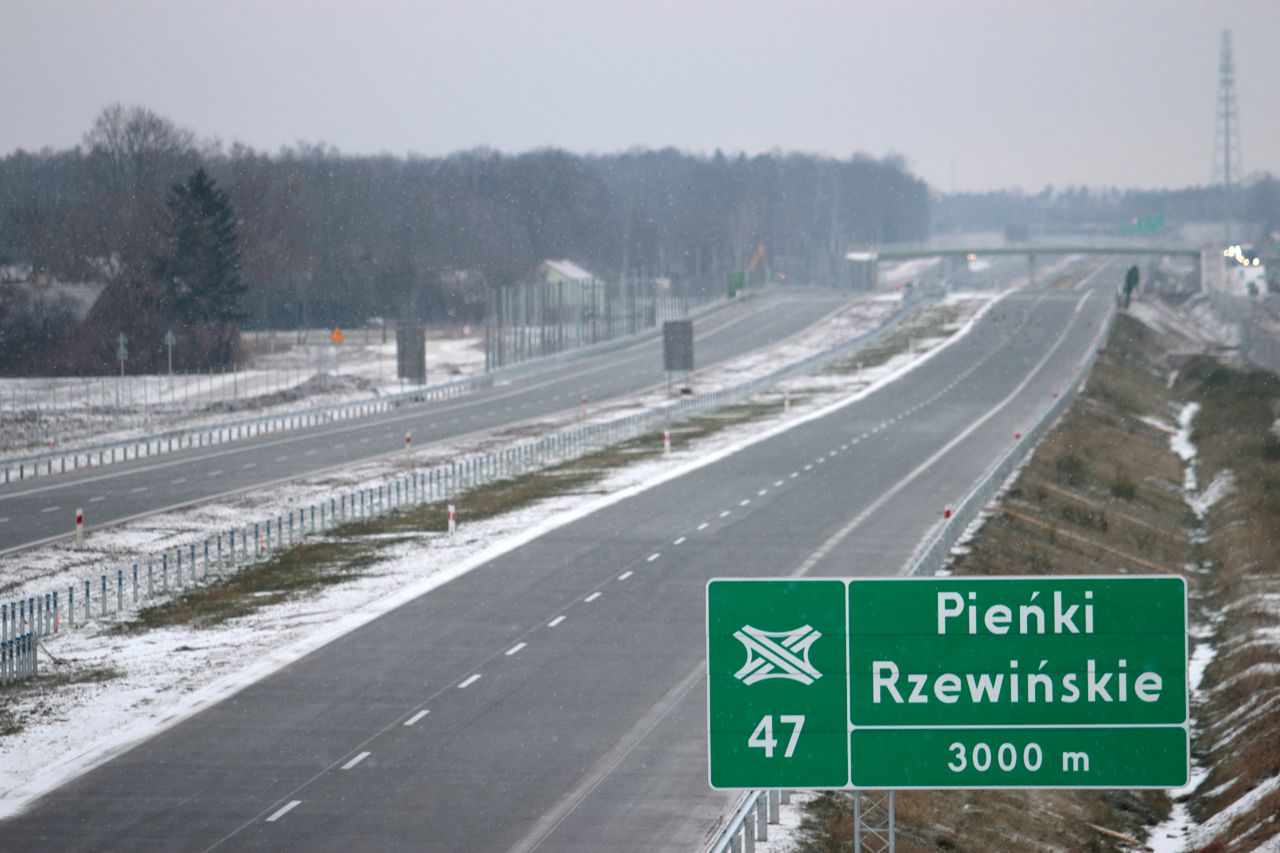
(750, 821)
(71, 459)
(933, 556)
(19, 468)
(18, 658)
(115, 592)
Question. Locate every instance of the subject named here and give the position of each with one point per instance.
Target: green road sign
(957, 682)
(735, 282)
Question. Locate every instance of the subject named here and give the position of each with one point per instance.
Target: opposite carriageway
(40, 511)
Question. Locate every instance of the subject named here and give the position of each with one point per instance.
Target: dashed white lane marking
(247, 465)
(50, 508)
(312, 452)
(284, 810)
(762, 493)
(704, 525)
(795, 474)
(515, 649)
(723, 514)
(778, 483)
(592, 597)
(213, 473)
(744, 502)
(469, 681)
(624, 576)
(282, 458)
(416, 717)
(652, 557)
(556, 621)
(94, 500)
(353, 762)
(364, 440)
(139, 489)
(3, 520)
(178, 481)
(808, 468)
(679, 541)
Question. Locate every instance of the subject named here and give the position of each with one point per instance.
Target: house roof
(569, 270)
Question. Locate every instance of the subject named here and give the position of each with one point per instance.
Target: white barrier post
(453, 519)
(666, 441)
(786, 401)
(79, 528)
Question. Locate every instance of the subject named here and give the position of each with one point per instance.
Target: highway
(43, 509)
(554, 698)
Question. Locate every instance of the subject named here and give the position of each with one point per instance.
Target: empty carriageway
(553, 698)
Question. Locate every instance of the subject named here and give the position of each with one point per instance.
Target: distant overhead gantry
(906, 253)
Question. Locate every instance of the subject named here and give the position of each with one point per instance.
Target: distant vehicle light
(972, 256)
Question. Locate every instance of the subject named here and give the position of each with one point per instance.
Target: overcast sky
(997, 93)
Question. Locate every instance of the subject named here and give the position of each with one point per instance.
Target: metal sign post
(169, 341)
(122, 353)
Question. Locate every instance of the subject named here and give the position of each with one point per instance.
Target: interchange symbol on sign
(777, 654)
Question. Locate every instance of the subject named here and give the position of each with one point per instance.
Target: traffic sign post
(1034, 682)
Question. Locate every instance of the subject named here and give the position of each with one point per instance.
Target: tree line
(311, 237)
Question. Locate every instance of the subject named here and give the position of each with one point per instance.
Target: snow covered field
(44, 413)
(164, 675)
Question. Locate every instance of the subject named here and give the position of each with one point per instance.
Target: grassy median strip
(54, 675)
(940, 321)
(352, 549)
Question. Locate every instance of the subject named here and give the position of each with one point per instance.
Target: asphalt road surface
(554, 698)
(44, 508)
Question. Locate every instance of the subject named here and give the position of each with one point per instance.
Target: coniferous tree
(202, 267)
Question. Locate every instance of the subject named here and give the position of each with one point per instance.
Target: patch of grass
(303, 568)
(1123, 486)
(348, 550)
(49, 680)
(1072, 469)
(10, 724)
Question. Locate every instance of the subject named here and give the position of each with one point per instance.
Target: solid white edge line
(57, 772)
(284, 810)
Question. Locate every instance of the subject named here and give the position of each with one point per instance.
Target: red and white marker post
(453, 519)
(584, 405)
(79, 528)
(408, 440)
(946, 513)
(666, 441)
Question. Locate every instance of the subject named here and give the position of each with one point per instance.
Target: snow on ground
(43, 413)
(1193, 326)
(166, 675)
(1174, 834)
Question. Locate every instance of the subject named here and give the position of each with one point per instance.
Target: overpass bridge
(906, 253)
(1031, 250)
